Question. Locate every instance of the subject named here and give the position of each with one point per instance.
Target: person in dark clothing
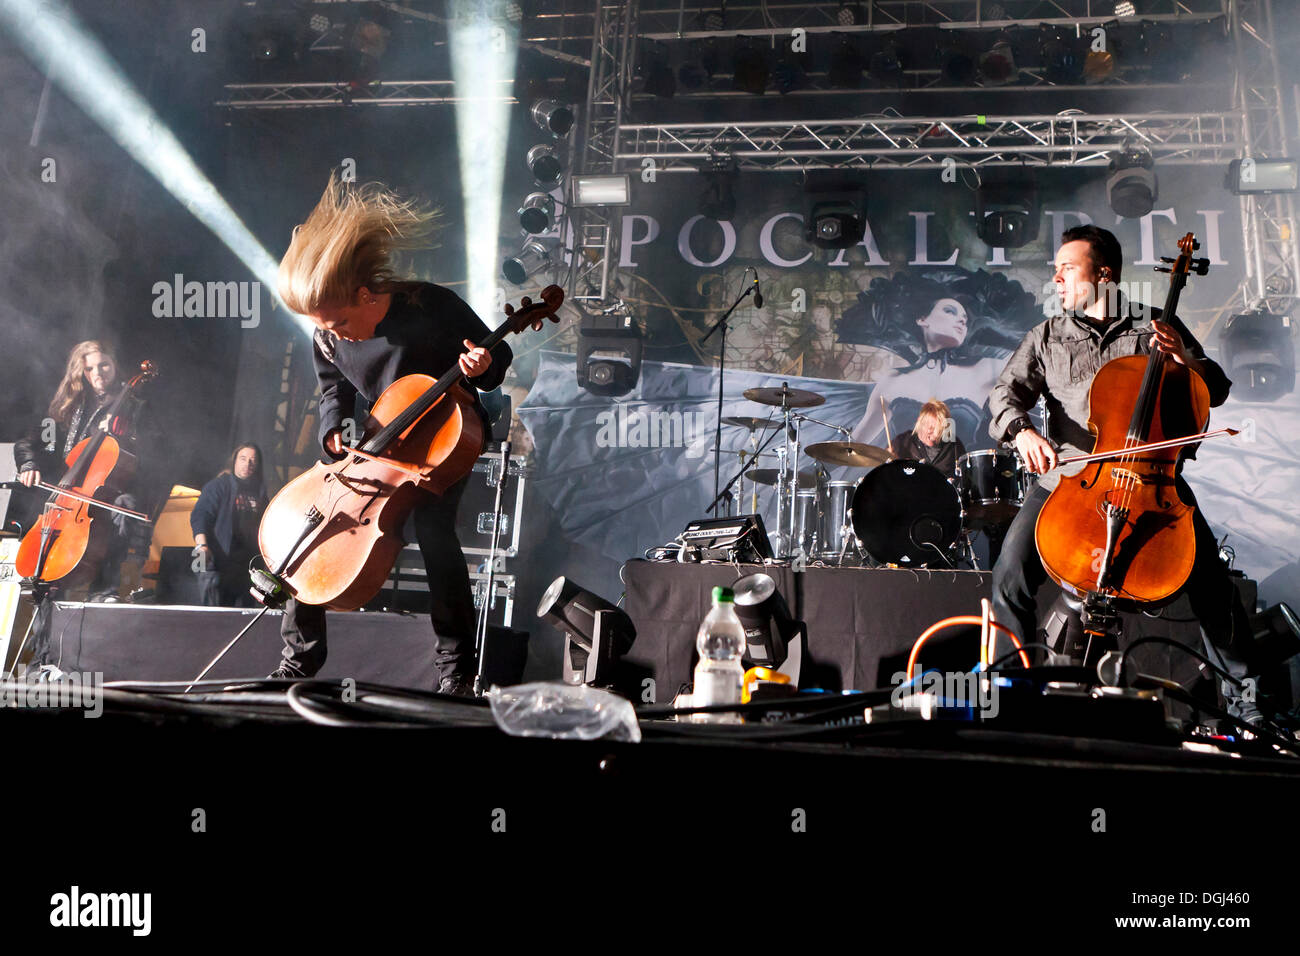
(1057, 361)
(373, 328)
(933, 440)
(81, 405)
(225, 521)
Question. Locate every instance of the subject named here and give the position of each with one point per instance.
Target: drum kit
(901, 512)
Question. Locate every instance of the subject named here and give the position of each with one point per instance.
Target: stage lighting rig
(836, 215)
(596, 633)
(553, 117)
(997, 66)
(1007, 211)
(956, 65)
(653, 72)
(536, 256)
(699, 64)
(537, 214)
(888, 63)
(1062, 56)
(849, 14)
(1258, 353)
(1263, 176)
(545, 165)
(609, 351)
(845, 71)
(1131, 187)
(749, 68)
(718, 198)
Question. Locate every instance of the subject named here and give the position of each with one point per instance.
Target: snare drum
(836, 525)
(905, 512)
(991, 485)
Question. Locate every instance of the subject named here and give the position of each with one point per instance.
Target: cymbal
(769, 476)
(851, 453)
(753, 424)
(792, 398)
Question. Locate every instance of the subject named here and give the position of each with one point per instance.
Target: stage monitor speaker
(177, 582)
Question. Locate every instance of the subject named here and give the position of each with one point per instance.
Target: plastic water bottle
(720, 642)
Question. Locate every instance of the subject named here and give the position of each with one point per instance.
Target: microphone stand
(722, 359)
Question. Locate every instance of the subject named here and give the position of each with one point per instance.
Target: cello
(332, 535)
(65, 535)
(1116, 533)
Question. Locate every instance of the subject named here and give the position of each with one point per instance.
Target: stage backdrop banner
(629, 473)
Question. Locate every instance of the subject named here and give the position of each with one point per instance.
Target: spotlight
(1007, 213)
(888, 63)
(1125, 8)
(544, 165)
(836, 215)
(718, 199)
(1264, 176)
(997, 66)
(849, 14)
(655, 75)
(1258, 352)
(596, 633)
(845, 70)
(699, 65)
(600, 190)
(533, 258)
(1131, 186)
(609, 353)
(537, 214)
(552, 116)
(1099, 65)
(955, 64)
(1062, 57)
(749, 67)
(771, 633)
(714, 20)
(789, 72)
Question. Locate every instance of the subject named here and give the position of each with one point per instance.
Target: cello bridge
(1128, 474)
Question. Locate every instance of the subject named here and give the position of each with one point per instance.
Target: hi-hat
(787, 397)
(753, 424)
(770, 476)
(850, 453)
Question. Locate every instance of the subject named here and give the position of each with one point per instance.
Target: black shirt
(421, 334)
(943, 455)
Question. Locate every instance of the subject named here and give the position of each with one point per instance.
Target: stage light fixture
(609, 352)
(545, 166)
(772, 636)
(1125, 8)
(1062, 56)
(654, 73)
(845, 71)
(716, 19)
(534, 257)
(596, 632)
(997, 66)
(955, 64)
(1007, 212)
(553, 117)
(1258, 353)
(537, 214)
(749, 68)
(1131, 187)
(698, 65)
(888, 63)
(836, 216)
(849, 14)
(1277, 634)
(1263, 176)
(718, 198)
(600, 190)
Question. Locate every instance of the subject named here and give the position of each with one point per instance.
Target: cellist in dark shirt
(373, 328)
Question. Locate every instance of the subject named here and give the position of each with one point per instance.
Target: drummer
(933, 439)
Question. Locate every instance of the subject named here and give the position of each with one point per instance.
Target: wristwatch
(1017, 426)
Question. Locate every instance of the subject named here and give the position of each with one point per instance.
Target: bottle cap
(724, 596)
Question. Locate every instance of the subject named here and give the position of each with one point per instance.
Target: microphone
(758, 293)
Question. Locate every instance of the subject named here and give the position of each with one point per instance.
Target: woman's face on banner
(945, 326)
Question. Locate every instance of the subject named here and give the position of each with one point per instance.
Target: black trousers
(1225, 627)
(452, 603)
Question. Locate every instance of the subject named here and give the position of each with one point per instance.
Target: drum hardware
(851, 454)
(772, 476)
(722, 372)
(753, 424)
(785, 397)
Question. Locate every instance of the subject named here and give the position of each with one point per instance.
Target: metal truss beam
(895, 142)
(282, 96)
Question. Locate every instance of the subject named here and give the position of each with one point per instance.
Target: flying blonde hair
(932, 409)
(74, 380)
(347, 242)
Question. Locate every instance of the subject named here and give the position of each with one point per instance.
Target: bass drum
(906, 512)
